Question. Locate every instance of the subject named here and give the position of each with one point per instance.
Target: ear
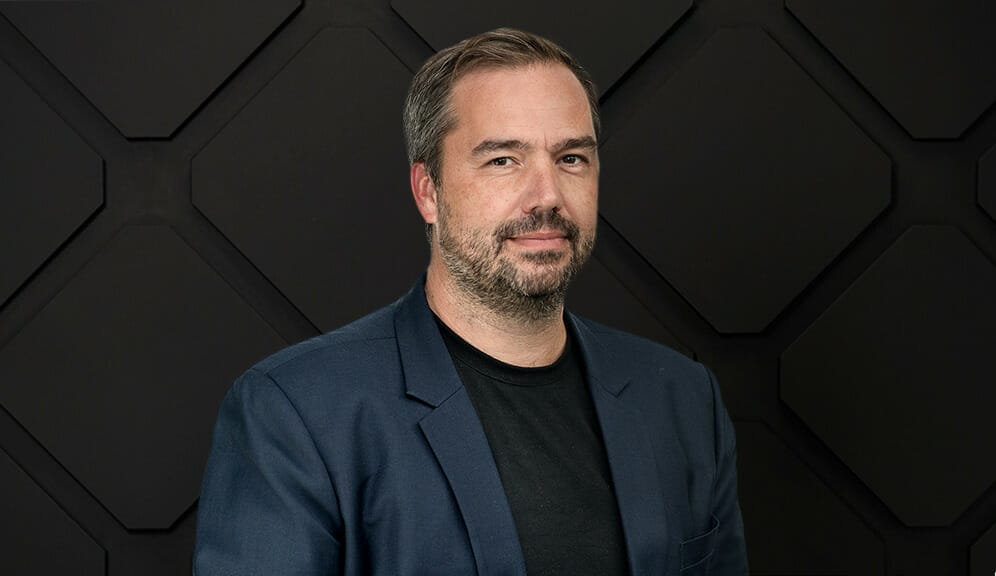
(424, 192)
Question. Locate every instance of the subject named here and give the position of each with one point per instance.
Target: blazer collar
(429, 372)
(457, 439)
(636, 476)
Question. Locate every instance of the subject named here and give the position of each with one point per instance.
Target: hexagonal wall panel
(897, 375)
(983, 555)
(598, 294)
(306, 179)
(756, 189)
(121, 374)
(39, 538)
(931, 64)
(633, 26)
(148, 65)
(42, 206)
(987, 182)
(794, 523)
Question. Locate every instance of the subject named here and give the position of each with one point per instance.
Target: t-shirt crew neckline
(481, 362)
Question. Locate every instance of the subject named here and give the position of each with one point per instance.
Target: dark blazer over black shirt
(359, 452)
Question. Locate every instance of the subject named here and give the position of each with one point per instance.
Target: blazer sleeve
(730, 554)
(267, 502)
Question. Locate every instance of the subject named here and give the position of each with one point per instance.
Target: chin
(537, 284)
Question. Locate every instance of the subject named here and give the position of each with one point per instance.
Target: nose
(543, 189)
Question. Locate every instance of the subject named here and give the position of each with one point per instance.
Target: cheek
(585, 205)
(472, 218)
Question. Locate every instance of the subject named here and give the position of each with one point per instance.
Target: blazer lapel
(635, 474)
(457, 439)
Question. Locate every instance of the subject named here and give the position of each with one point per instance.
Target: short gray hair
(428, 114)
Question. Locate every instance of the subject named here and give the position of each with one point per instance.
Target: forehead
(538, 97)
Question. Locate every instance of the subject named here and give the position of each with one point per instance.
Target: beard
(527, 286)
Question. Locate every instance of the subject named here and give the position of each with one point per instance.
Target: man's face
(517, 201)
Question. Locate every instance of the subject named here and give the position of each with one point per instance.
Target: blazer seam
(323, 347)
(311, 437)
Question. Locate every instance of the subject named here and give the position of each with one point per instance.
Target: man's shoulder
(330, 379)
(349, 344)
(671, 388)
(638, 352)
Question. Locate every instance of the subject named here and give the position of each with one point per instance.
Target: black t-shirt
(546, 441)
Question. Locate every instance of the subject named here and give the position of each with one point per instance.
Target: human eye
(500, 161)
(574, 159)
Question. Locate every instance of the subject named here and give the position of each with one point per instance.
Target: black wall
(801, 194)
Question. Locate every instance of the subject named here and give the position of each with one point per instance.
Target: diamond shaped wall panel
(987, 182)
(148, 65)
(755, 178)
(310, 180)
(599, 295)
(634, 27)
(793, 523)
(121, 374)
(51, 181)
(897, 375)
(38, 537)
(983, 555)
(930, 63)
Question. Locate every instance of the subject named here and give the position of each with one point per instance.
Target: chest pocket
(696, 552)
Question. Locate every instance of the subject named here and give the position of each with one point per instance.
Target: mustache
(546, 220)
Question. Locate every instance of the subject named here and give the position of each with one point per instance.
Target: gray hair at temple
(428, 115)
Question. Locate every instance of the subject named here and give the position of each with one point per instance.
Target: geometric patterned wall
(799, 193)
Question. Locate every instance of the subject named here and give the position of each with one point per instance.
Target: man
(473, 426)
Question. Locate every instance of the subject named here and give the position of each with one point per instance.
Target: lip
(541, 235)
(540, 241)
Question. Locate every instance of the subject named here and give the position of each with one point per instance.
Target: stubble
(489, 274)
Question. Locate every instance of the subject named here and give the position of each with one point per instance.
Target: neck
(513, 339)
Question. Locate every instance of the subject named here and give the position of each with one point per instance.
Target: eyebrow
(583, 142)
(488, 146)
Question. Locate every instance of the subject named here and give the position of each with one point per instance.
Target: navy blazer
(359, 452)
